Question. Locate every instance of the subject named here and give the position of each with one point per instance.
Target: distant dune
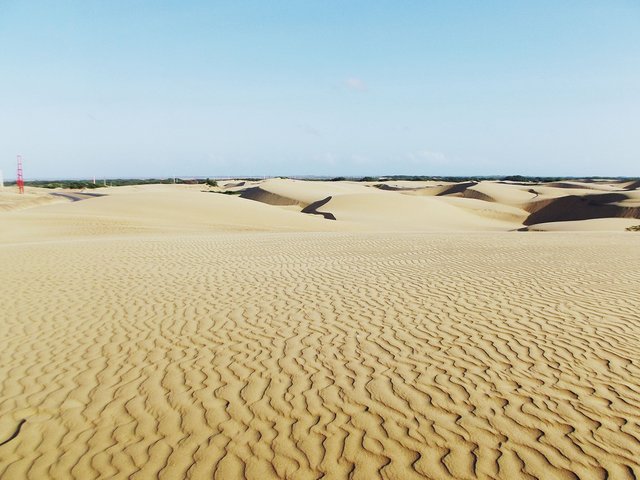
(282, 204)
(304, 329)
(11, 200)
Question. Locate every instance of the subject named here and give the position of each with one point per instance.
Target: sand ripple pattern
(322, 356)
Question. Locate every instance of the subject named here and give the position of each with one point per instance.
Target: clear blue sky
(204, 88)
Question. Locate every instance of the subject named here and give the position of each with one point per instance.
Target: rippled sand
(307, 355)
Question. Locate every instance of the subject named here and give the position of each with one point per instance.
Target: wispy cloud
(428, 157)
(359, 160)
(310, 130)
(356, 84)
(327, 158)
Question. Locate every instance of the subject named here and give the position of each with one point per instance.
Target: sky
(134, 88)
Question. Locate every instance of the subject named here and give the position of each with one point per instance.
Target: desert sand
(432, 330)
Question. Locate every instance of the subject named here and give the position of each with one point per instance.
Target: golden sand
(155, 333)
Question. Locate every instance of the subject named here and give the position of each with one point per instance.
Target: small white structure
(1, 180)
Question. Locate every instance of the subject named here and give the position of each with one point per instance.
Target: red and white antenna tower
(20, 177)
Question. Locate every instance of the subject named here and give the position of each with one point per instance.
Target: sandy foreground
(165, 332)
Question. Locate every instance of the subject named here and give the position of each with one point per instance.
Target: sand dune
(632, 185)
(513, 216)
(262, 195)
(306, 192)
(585, 207)
(395, 211)
(162, 209)
(512, 195)
(425, 206)
(516, 205)
(169, 332)
(592, 225)
(11, 200)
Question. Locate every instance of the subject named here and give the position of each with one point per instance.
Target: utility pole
(1, 181)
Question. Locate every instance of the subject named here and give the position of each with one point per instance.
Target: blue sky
(158, 88)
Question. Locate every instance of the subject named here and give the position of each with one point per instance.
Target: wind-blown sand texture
(167, 333)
